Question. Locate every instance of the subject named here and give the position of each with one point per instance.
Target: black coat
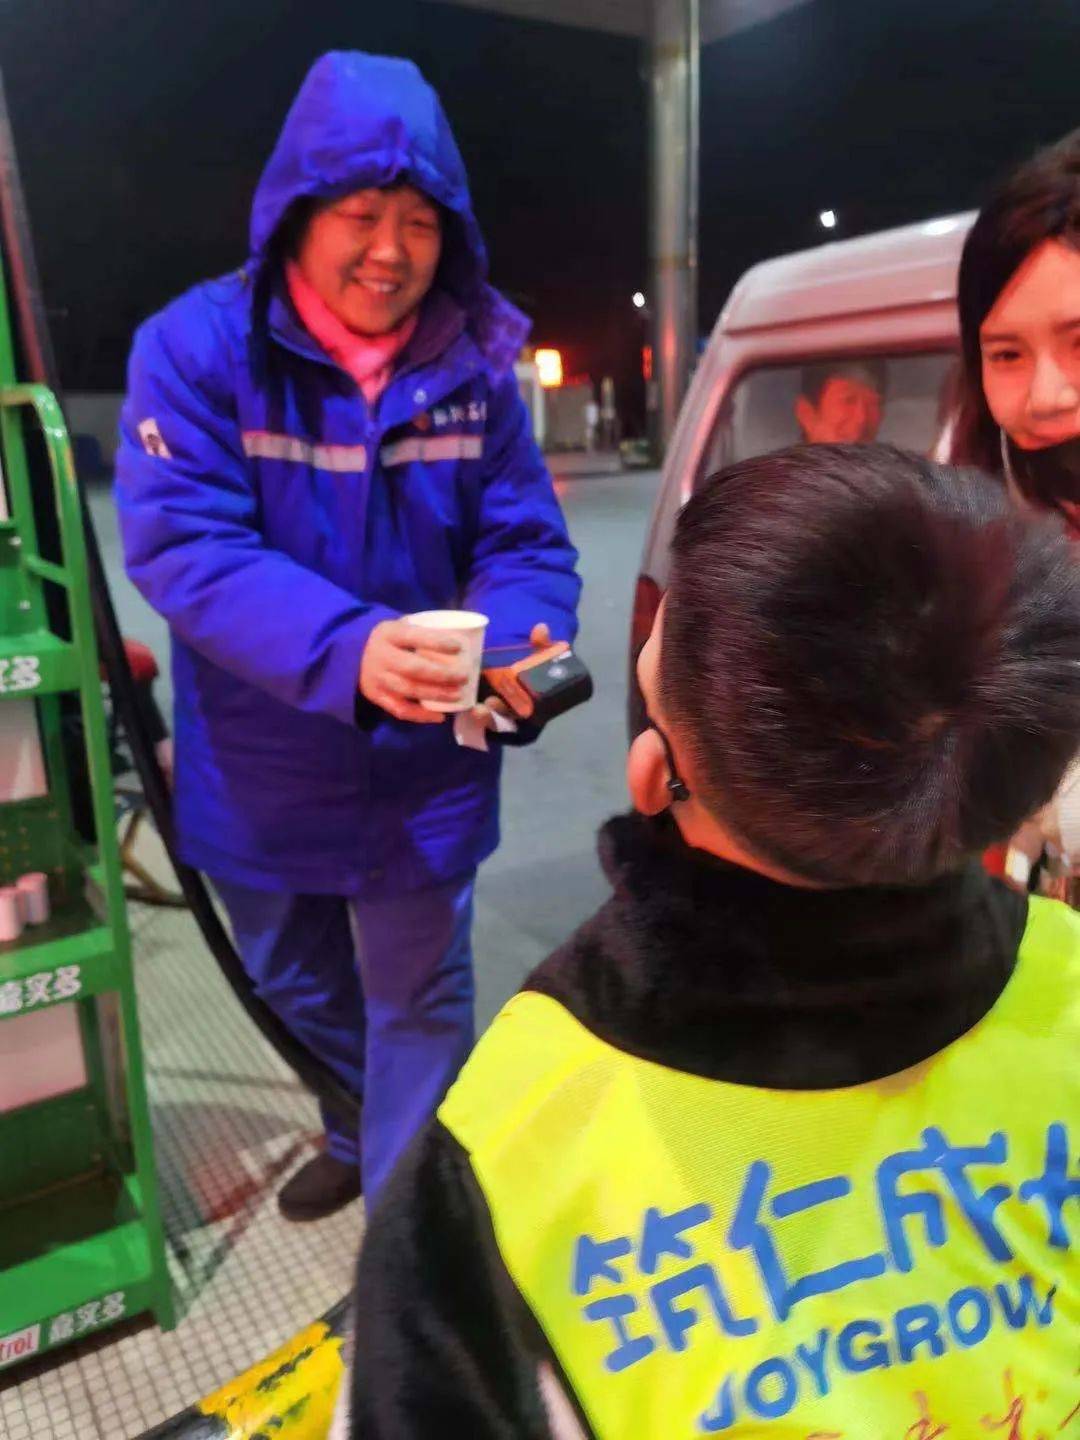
(702, 967)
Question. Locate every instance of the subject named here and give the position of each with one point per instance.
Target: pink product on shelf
(34, 897)
(10, 913)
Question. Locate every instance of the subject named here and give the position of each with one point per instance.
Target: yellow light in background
(549, 368)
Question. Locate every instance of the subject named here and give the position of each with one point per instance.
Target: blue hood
(363, 121)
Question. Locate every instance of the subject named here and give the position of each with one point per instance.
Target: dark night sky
(887, 111)
(142, 126)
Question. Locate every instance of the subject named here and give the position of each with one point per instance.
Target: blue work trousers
(380, 990)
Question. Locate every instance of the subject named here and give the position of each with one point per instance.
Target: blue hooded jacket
(274, 519)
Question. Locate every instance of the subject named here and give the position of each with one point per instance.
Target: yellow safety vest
(888, 1260)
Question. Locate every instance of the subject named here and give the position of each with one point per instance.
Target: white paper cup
(468, 627)
(10, 913)
(34, 894)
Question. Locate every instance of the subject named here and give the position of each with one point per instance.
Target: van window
(902, 399)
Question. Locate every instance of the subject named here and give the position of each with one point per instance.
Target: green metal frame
(81, 1238)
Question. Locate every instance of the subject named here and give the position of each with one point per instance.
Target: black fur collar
(706, 967)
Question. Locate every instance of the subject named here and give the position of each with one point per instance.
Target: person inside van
(786, 1131)
(840, 401)
(1019, 412)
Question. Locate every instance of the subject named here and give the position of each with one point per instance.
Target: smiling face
(1030, 347)
(372, 256)
(848, 411)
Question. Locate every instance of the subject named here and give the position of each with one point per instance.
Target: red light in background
(647, 597)
(646, 361)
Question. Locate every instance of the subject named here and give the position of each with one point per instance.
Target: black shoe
(320, 1188)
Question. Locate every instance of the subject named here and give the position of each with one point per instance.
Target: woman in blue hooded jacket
(312, 449)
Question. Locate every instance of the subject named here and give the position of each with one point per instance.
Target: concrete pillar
(674, 77)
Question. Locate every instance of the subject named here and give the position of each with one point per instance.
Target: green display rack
(81, 1241)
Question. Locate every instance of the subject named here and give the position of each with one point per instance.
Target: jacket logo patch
(152, 440)
(475, 412)
(438, 447)
(262, 445)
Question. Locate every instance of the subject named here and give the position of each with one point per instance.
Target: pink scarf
(369, 359)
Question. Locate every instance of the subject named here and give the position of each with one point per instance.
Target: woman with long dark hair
(1019, 412)
(1019, 296)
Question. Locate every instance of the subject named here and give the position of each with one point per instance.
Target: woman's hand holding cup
(405, 664)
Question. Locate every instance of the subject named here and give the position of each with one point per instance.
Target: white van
(887, 299)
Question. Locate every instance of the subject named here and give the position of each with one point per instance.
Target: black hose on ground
(34, 347)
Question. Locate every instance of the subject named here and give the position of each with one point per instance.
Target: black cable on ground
(33, 344)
